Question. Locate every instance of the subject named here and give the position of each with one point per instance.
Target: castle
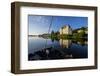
(66, 30)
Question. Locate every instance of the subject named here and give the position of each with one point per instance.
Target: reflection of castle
(66, 30)
(65, 43)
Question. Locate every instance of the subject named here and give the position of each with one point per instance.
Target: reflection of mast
(49, 28)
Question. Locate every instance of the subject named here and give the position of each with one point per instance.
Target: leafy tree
(52, 33)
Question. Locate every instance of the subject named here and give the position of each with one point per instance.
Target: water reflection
(81, 42)
(56, 49)
(65, 43)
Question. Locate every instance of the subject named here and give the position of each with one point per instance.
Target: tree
(57, 33)
(52, 33)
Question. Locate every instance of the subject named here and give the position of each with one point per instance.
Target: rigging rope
(49, 29)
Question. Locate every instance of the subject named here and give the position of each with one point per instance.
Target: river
(47, 49)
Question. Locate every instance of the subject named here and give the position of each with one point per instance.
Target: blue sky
(40, 24)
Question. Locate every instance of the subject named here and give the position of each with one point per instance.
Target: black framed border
(15, 37)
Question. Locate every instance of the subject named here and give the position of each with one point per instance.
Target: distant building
(83, 30)
(66, 30)
(79, 31)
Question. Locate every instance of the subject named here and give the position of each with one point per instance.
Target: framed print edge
(15, 37)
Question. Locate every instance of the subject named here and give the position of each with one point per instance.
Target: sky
(39, 24)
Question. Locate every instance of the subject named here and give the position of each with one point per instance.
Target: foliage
(74, 36)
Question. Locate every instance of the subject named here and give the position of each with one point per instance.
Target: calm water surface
(46, 49)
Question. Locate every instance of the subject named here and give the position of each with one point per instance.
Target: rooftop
(66, 26)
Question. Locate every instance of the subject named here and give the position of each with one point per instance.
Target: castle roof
(65, 26)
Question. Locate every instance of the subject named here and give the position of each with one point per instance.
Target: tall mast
(49, 28)
(50, 24)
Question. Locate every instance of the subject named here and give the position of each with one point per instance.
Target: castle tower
(66, 30)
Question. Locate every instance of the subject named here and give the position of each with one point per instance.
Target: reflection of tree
(52, 40)
(81, 41)
(65, 43)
